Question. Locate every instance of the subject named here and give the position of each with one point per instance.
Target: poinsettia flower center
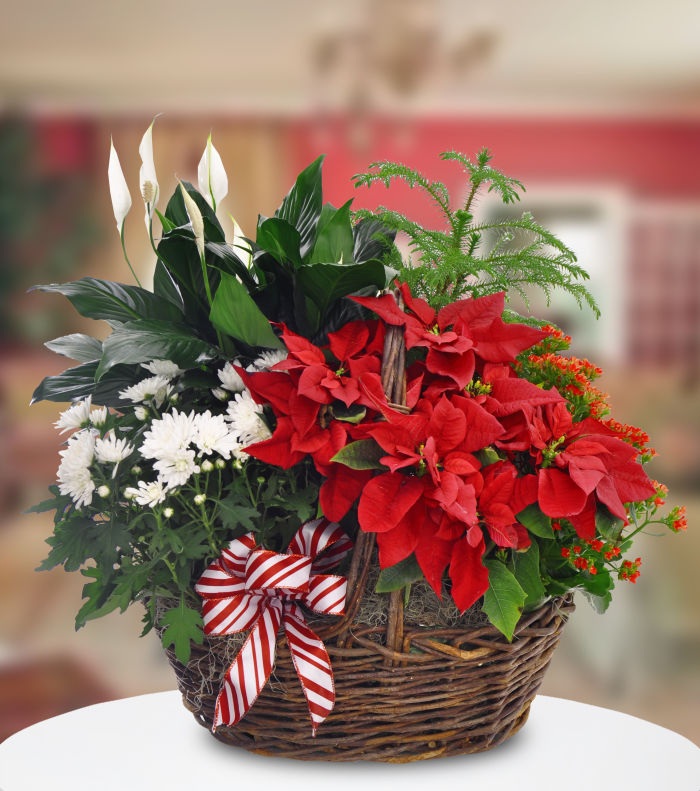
(552, 451)
(340, 371)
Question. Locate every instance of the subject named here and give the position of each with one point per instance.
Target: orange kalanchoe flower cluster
(632, 435)
(630, 570)
(677, 519)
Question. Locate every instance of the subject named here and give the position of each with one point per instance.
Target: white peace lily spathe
(213, 181)
(118, 190)
(148, 181)
(195, 217)
(240, 246)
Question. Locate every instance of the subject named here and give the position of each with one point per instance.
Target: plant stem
(207, 287)
(121, 236)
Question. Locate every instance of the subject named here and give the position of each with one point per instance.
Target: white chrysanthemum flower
(141, 412)
(112, 450)
(176, 468)
(214, 435)
(169, 435)
(240, 456)
(230, 378)
(270, 358)
(156, 388)
(130, 492)
(98, 416)
(165, 368)
(246, 421)
(73, 475)
(150, 494)
(76, 416)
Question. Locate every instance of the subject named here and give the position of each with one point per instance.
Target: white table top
(151, 742)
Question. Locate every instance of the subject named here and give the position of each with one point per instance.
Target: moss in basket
(158, 475)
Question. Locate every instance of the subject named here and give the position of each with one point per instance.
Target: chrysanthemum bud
(141, 412)
(220, 393)
(104, 491)
(136, 470)
(130, 492)
(220, 464)
(168, 512)
(207, 466)
(199, 499)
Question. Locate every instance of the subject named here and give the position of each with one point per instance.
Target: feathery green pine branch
(468, 258)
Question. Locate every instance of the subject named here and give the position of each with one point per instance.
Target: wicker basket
(403, 693)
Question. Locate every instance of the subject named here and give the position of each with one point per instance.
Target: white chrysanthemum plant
(154, 479)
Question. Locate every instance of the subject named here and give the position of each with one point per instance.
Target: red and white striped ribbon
(247, 587)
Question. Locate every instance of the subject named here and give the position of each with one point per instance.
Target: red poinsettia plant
(480, 466)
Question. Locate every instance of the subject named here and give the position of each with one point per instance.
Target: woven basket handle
(394, 384)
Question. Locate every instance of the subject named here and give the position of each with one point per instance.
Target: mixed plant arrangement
(246, 395)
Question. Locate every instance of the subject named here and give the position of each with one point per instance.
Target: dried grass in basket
(404, 692)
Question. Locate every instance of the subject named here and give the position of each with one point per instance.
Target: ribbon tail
(250, 670)
(313, 665)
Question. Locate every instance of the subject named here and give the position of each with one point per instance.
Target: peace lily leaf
(141, 341)
(334, 240)
(165, 286)
(325, 283)
(176, 213)
(504, 598)
(79, 382)
(364, 454)
(527, 573)
(103, 299)
(182, 625)
(302, 205)
(372, 238)
(235, 313)
(393, 578)
(77, 346)
(536, 522)
(228, 260)
(281, 240)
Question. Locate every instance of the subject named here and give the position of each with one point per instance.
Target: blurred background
(596, 107)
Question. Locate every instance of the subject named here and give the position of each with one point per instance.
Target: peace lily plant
(243, 395)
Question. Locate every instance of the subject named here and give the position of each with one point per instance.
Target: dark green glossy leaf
(105, 300)
(399, 576)
(228, 261)
(77, 346)
(372, 239)
(504, 598)
(281, 240)
(536, 522)
(79, 382)
(142, 341)
(165, 286)
(302, 205)
(364, 454)
(235, 313)
(176, 213)
(325, 283)
(334, 239)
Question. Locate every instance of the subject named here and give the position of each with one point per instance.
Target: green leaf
(527, 574)
(535, 521)
(79, 382)
(70, 544)
(302, 205)
(372, 239)
(281, 240)
(487, 456)
(334, 239)
(176, 213)
(165, 222)
(141, 341)
(393, 578)
(349, 414)
(325, 283)
(236, 314)
(108, 301)
(364, 454)
(609, 526)
(165, 286)
(504, 598)
(600, 603)
(235, 514)
(182, 625)
(77, 346)
(229, 262)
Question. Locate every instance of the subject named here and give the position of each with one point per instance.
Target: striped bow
(252, 588)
